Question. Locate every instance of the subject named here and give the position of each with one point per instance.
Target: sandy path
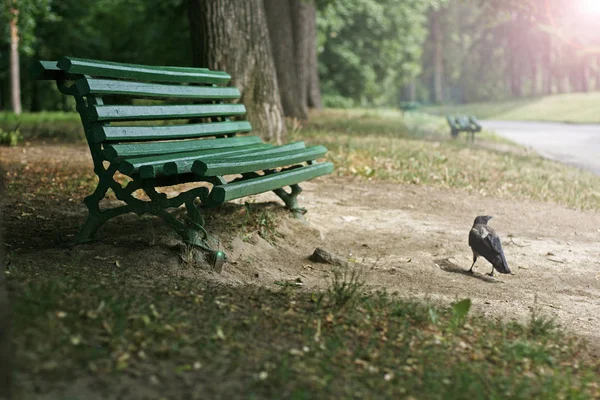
(414, 241)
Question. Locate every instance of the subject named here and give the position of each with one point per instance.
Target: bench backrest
(131, 110)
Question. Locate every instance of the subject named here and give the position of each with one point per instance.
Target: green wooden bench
(463, 123)
(147, 141)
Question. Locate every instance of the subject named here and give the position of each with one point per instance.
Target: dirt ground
(409, 239)
(413, 240)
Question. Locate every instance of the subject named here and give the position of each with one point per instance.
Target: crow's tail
(500, 264)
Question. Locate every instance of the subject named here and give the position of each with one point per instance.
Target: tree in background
(289, 55)
(20, 18)
(232, 36)
(15, 69)
(499, 49)
(369, 49)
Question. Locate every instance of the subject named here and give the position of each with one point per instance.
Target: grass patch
(579, 108)
(388, 150)
(63, 126)
(178, 336)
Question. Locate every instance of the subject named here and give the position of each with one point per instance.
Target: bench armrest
(47, 70)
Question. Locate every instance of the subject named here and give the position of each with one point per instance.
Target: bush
(337, 101)
(44, 125)
(10, 138)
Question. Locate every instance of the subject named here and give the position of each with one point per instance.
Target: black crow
(485, 242)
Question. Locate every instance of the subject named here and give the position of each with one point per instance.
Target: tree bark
(312, 65)
(231, 35)
(281, 33)
(15, 72)
(301, 13)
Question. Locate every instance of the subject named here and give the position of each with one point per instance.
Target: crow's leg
(492, 273)
(472, 265)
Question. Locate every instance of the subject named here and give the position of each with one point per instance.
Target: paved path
(573, 144)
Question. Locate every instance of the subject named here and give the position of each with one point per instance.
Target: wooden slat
(258, 153)
(181, 163)
(231, 191)
(114, 151)
(152, 166)
(158, 112)
(86, 86)
(185, 166)
(165, 132)
(47, 70)
(109, 69)
(257, 163)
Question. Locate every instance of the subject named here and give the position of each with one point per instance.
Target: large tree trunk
(231, 35)
(15, 72)
(302, 11)
(281, 32)
(314, 85)
(438, 56)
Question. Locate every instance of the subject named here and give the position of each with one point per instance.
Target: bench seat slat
(114, 151)
(223, 193)
(158, 112)
(181, 163)
(153, 166)
(174, 168)
(238, 165)
(108, 69)
(87, 86)
(165, 132)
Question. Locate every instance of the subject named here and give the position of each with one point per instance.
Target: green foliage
(44, 125)
(369, 48)
(10, 138)
(138, 31)
(30, 14)
(337, 101)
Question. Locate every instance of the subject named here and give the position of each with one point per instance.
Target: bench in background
(463, 123)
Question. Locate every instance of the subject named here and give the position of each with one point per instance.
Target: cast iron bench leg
(291, 200)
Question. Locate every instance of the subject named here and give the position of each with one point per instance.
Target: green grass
(573, 107)
(173, 334)
(61, 126)
(390, 146)
(187, 339)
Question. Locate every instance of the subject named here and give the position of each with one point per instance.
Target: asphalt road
(573, 144)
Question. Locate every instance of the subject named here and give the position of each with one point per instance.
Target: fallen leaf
(219, 334)
(296, 352)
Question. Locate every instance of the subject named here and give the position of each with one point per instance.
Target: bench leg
(194, 235)
(88, 230)
(291, 200)
(95, 218)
